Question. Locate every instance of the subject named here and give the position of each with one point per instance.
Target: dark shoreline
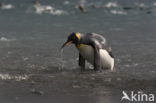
(70, 86)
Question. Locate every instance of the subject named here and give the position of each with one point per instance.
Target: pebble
(37, 92)
(75, 86)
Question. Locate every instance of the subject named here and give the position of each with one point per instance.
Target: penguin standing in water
(93, 48)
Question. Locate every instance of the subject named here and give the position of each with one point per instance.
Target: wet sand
(72, 87)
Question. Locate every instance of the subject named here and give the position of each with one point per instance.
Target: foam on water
(58, 12)
(48, 9)
(7, 6)
(11, 77)
(45, 9)
(111, 5)
(118, 12)
(66, 2)
(61, 66)
(4, 39)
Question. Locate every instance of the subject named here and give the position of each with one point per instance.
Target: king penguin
(93, 48)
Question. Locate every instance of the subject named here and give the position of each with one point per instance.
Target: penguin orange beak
(66, 43)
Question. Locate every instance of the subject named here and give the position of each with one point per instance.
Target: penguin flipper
(81, 62)
(96, 46)
(97, 65)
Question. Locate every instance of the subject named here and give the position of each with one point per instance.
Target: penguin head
(72, 38)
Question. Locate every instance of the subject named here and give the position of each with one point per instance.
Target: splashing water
(13, 77)
(7, 6)
(61, 61)
(48, 9)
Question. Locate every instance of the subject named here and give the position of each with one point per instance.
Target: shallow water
(30, 51)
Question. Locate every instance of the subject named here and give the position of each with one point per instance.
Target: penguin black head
(72, 38)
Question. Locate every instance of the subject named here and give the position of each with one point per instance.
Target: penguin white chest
(88, 53)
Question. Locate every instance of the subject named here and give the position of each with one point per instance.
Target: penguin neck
(78, 45)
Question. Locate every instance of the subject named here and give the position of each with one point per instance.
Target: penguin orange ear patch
(77, 35)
